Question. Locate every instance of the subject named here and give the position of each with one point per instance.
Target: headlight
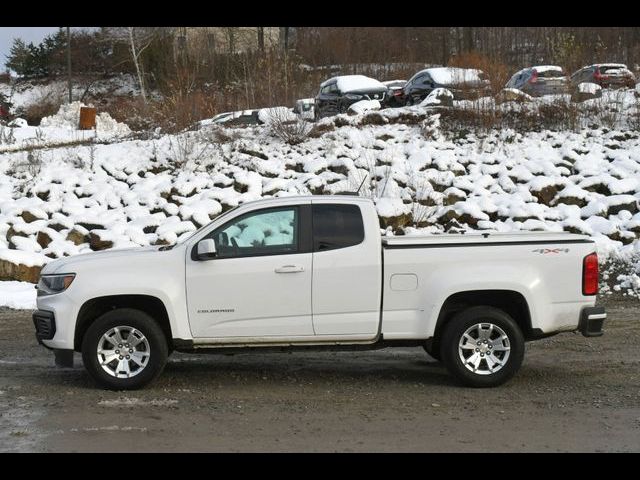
(50, 284)
(353, 96)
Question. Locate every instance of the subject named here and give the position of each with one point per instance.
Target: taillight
(534, 77)
(590, 274)
(598, 76)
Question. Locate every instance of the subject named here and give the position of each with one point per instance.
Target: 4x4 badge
(545, 251)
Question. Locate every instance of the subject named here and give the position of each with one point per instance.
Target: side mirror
(206, 249)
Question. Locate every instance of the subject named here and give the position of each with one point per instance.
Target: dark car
(338, 93)
(607, 75)
(540, 80)
(395, 92)
(464, 83)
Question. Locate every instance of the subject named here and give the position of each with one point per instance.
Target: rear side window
(336, 226)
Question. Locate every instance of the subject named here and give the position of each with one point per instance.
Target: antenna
(362, 183)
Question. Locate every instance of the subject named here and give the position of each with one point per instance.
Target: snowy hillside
(63, 192)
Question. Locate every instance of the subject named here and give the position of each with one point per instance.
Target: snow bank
(364, 106)
(19, 295)
(588, 87)
(68, 117)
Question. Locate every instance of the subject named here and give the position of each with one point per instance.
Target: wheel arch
(510, 301)
(94, 308)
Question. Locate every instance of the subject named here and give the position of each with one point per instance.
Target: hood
(96, 259)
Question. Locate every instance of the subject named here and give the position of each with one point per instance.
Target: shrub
(289, 131)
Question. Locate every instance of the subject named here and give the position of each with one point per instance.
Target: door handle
(289, 269)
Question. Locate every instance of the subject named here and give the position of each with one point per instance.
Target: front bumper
(45, 323)
(591, 321)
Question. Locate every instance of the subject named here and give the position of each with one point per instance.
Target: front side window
(264, 232)
(336, 226)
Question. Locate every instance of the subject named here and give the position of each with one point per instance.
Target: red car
(607, 75)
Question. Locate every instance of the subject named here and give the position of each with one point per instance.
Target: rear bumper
(591, 321)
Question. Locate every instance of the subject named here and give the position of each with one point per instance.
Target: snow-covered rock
(438, 97)
(362, 106)
(587, 91)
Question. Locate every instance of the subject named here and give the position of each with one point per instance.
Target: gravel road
(572, 394)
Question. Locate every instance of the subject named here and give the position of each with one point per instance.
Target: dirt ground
(572, 394)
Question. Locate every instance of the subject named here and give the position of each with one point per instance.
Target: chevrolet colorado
(315, 272)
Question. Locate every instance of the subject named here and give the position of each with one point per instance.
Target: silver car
(540, 80)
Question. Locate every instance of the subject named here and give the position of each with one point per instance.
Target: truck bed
(481, 239)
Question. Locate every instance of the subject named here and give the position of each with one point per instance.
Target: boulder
(43, 239)
(19, 272)
(512, 95)
(77, 236)
(439, 97)
(397, 222)
(12, 233)
(96, 242)
(546, 194)
(29, 217)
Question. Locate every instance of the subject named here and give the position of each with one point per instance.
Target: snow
(351, 83)
(454, 75)
(19, 295)
(547, 68)
(587, 87)
(68, 117)
(135, 192)
(362, 106)
(434, 97)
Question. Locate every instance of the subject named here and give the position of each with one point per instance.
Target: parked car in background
(305, 108)
(338, 93)
(395, 93)
(464, 83)
(540, 80)
(607, 75)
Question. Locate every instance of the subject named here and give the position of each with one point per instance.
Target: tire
(408, 102)
(467, 362)
(148, 357)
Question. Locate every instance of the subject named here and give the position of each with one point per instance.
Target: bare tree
(138, 39)
(138, 42)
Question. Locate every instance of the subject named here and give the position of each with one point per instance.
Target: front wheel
(482, 347)
(124, 349)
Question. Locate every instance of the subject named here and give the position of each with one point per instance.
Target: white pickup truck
(315, 272)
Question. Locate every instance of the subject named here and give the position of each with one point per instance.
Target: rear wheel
(124, 349)
(482, 347)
